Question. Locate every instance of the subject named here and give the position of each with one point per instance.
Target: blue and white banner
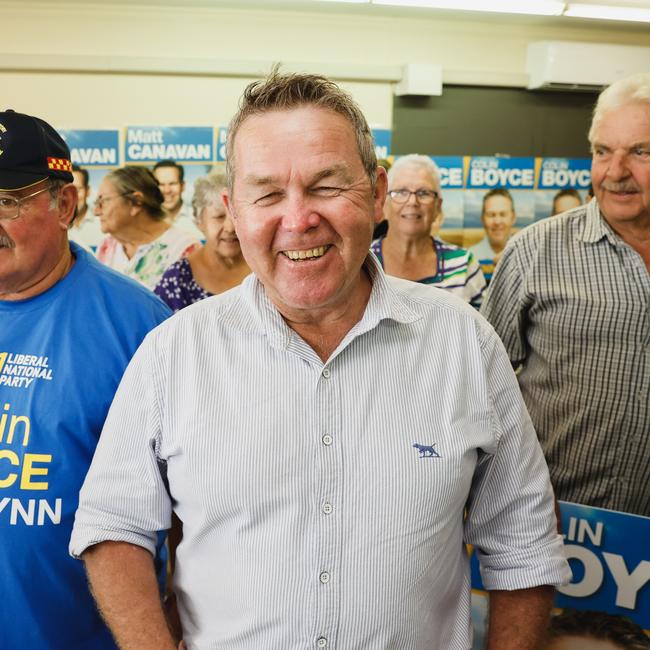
(563, 173)
(93, 147)
(382, 138)
(451, 171)
(609, 554)
(222, 134)
(184, 144)
(489, 172)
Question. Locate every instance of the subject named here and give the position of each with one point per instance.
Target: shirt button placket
(329, 527)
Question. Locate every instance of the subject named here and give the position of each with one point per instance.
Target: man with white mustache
(571, 302)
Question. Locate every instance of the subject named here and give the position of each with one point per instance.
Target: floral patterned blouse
(150, 260)
(178, 288)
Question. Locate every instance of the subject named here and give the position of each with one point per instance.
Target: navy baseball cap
(30, 151)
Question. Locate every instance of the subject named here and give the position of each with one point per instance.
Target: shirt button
(327, 508)
(326, 373)
(324, 577)
(327, 439)
(322, 642)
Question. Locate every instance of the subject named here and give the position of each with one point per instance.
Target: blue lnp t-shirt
(62, 355)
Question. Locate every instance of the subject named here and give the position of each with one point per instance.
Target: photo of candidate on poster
(562, 184)
(499, 200)
(178, 156)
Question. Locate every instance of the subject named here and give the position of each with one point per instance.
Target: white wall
(84, 65)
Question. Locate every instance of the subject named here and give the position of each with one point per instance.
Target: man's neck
(497, 247)
(324, 329)
(405, 247)
(172, 213)
(636, 234)
(142, 231)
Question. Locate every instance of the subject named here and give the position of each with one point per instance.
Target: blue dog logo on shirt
(427, 451)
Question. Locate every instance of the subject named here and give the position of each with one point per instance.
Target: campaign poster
(485, 173)
(192, 147)
(609, 555)
(451, 184)
(93, 147)
(222, 134)
(554, 175)
(96, 150)
(382, 139)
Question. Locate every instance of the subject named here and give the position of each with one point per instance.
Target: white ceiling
(343, 8)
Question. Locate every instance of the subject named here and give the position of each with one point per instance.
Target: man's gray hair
(632, 89)
(279, 92)
(207, 191)
(415, 160)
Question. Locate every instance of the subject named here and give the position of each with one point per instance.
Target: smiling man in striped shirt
(330, 437)
(571, 301)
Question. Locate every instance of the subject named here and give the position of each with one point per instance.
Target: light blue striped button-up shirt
(310, 518)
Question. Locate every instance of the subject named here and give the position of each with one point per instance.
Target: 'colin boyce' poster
(609, 554)
(485, 173)
(451, 170)
(557, 174)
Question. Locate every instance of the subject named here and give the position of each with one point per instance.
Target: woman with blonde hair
(215, 267)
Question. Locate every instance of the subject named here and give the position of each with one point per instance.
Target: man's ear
(225, 197)
(379, 198)
(67, 205)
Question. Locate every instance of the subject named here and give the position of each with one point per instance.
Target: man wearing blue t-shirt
(68, 327)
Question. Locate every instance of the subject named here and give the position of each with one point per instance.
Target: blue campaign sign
(609, 554)
(93, 148)
(563, 173)
(184, 144)
(222, 134)
(488, 172)
(451, 171)
(382, 139)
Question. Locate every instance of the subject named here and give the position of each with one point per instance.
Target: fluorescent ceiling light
(608, 12)
(533, 7)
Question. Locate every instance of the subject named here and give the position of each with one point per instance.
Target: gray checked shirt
(571, 302)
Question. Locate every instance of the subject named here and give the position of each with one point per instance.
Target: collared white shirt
(311, 518)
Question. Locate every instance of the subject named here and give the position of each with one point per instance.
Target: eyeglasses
(100, 200)
(10, 205)
(422, 196)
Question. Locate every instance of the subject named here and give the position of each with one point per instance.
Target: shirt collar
(595, 227)
(384, 303)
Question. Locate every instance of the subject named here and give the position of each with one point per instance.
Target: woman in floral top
(215, 267)
(140, 243)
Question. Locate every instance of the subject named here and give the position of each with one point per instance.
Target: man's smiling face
(303, 207)
(620, 170)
